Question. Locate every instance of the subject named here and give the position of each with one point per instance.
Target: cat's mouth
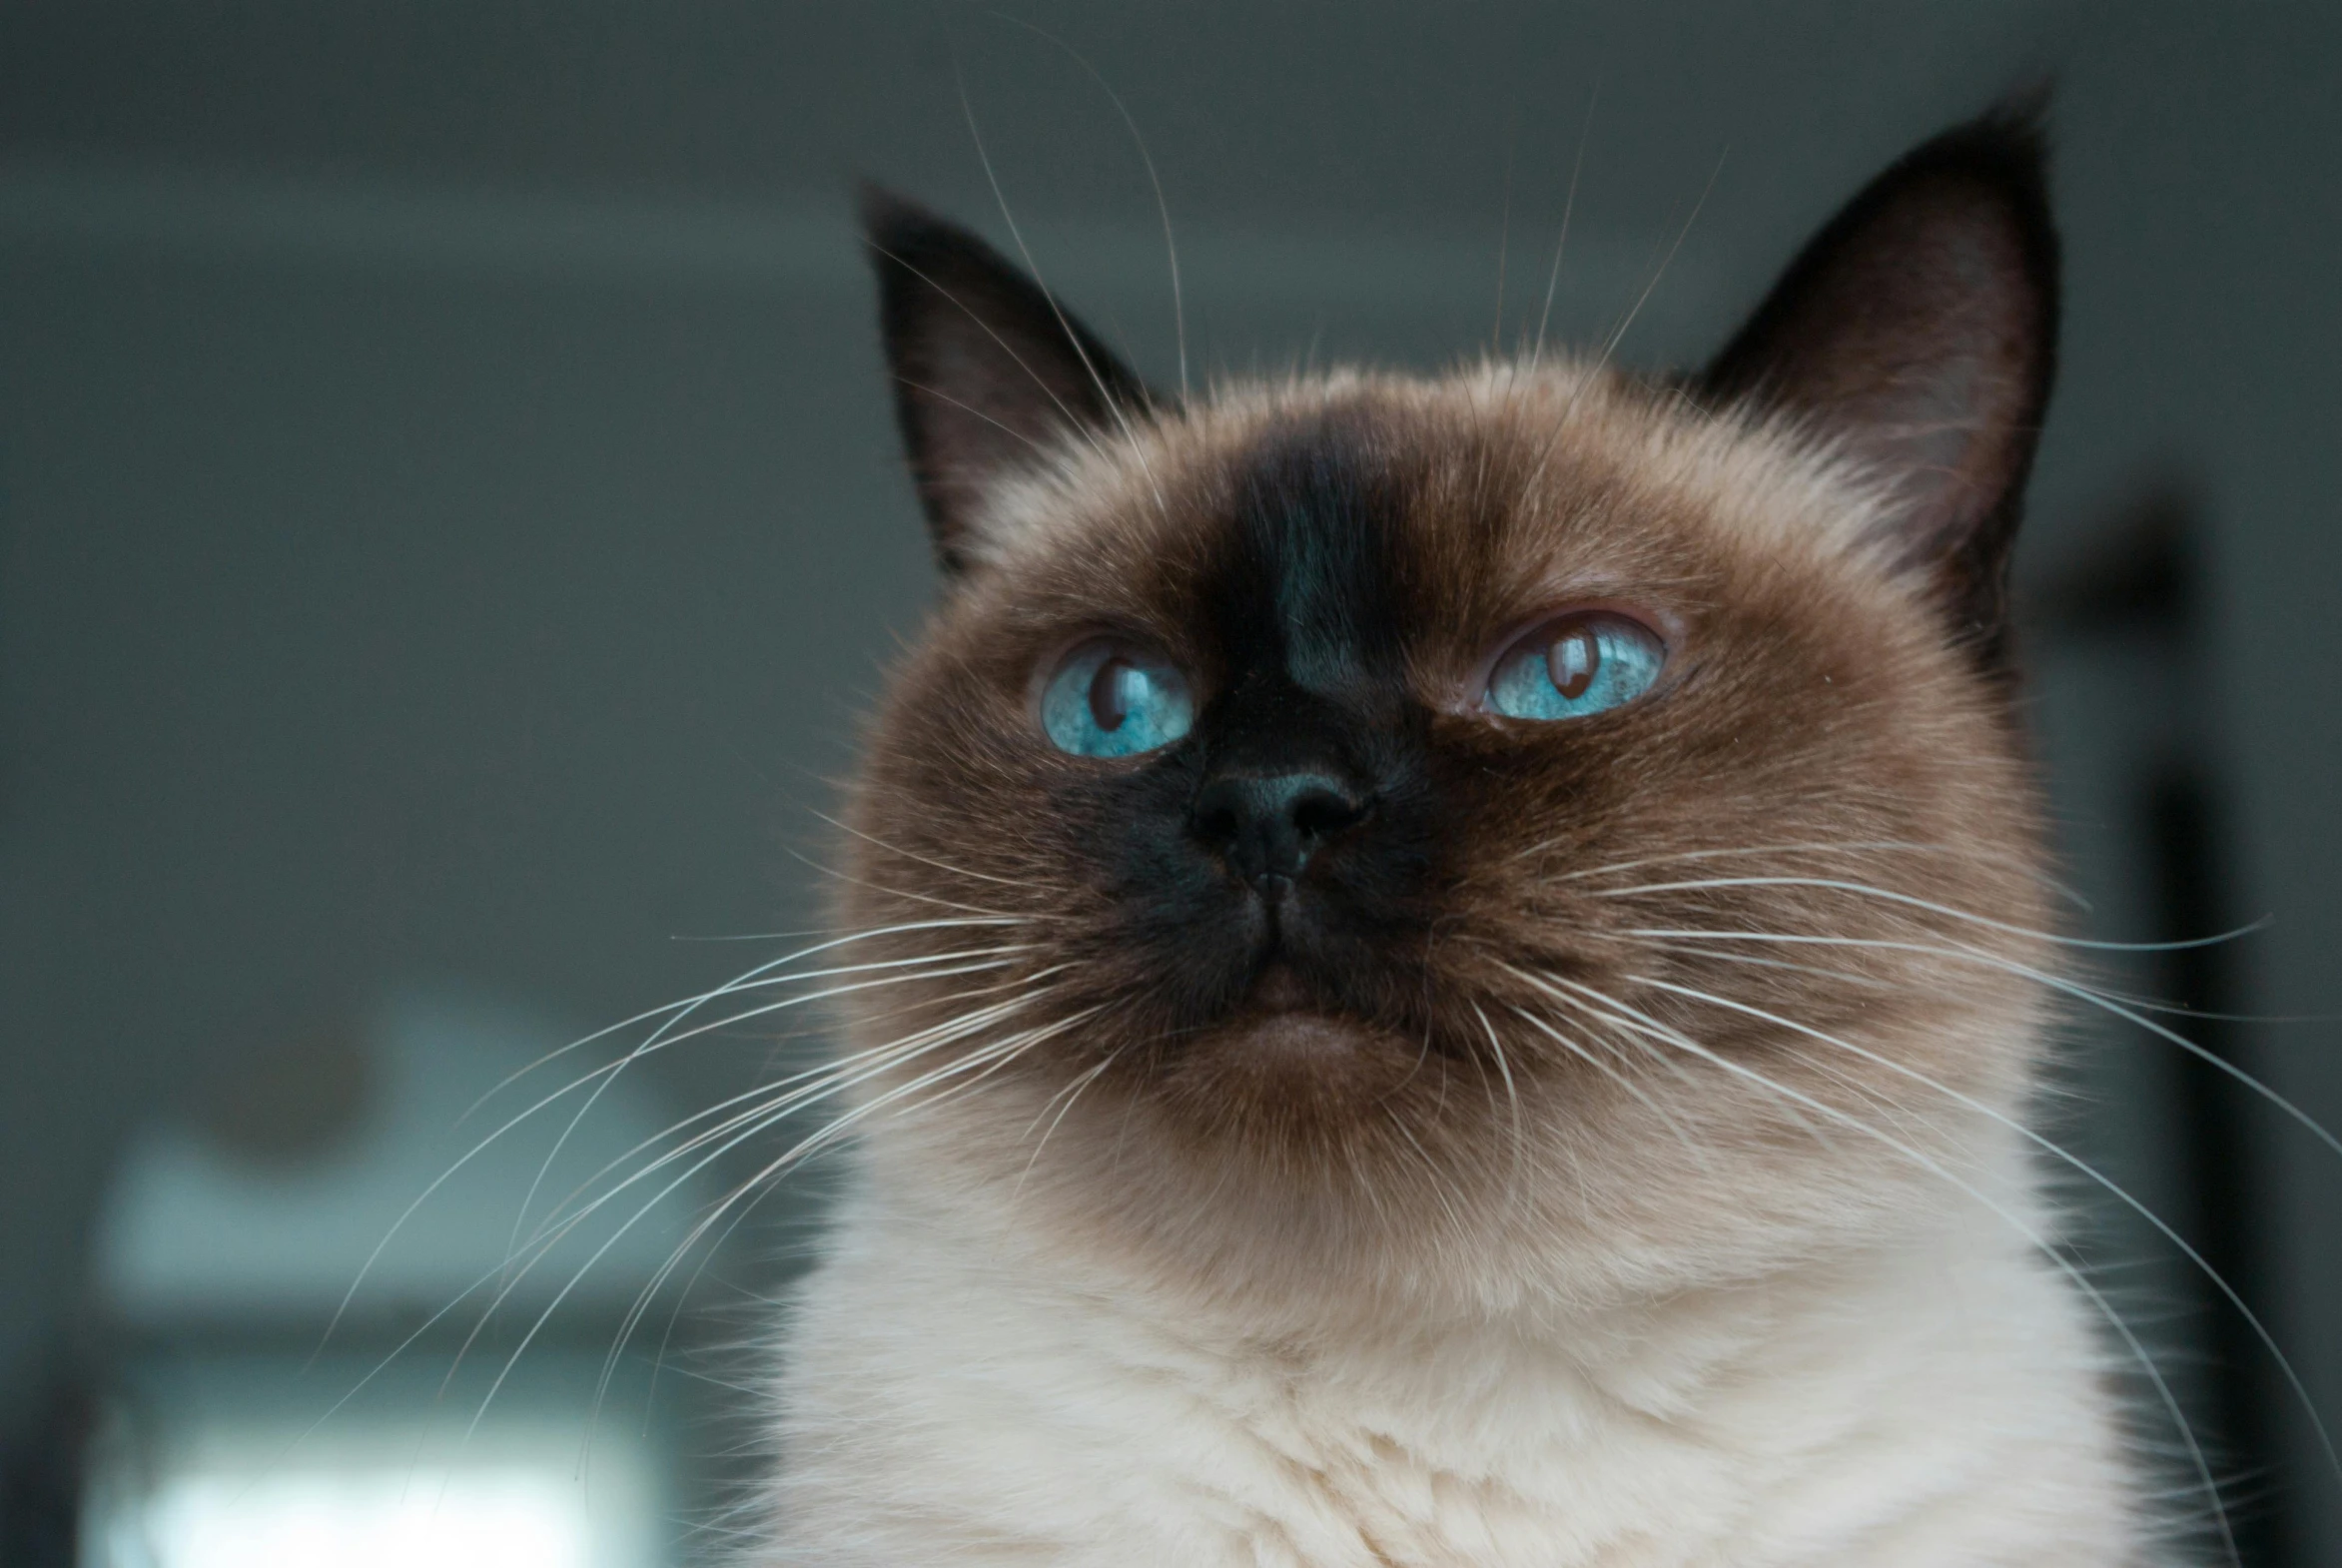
(1280, 989)
(1286, 1017)
(1292, 1048)
(1299, 979)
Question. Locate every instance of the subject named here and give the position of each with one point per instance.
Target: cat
(1459, 963)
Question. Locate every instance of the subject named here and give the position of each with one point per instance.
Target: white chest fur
(1938, 1403)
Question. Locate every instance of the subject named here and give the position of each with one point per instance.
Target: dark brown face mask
(1316, 743)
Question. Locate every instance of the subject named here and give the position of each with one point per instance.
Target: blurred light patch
(472, 1405)
(297, 1176)
(200, 1474)
(479, 1517)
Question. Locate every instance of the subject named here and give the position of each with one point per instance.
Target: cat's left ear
(991, 375)
(1918, 331)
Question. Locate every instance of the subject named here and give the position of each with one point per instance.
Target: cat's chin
(1286, 1025)
(1293, 1057)
(1300, 1040)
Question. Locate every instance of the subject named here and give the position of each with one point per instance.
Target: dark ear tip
(2021, 115)
(899, 231)
(2007, 147)
(2005, 151)
(890, 221)
(2001, 155)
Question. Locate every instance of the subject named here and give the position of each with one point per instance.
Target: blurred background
(449, 520)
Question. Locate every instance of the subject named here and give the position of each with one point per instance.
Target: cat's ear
(1918, 332)
(991, 375)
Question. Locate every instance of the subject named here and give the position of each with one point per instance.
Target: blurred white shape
(191, 1233)
(227, 1249)
(386, 1518)
(226, 1465)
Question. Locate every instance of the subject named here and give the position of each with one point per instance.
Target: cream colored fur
(1799, 1315)
(966, 1392)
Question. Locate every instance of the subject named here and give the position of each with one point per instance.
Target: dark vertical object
(2182, 818)
(2142, 584)
(41, 1479)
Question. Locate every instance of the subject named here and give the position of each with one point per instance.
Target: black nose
(1266, 826)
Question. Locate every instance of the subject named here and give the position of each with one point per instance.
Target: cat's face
(1380, 837)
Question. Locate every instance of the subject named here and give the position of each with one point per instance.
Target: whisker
(1455, 1220)
(1161, 208)
(903, 893)
(2055, 983)
(1105, 394)
(1643, 1024)
(659, 1039)
(1873, 983)
(1512, 1096)
(1077, 1087)
(1048, 1032)
(820, 1081)
(1602, 361)
(765, 968)
(1838, 847)
(1836, 885)
(793, 1092)
(604, 1073)
(940, 395)
(988, 1056)
(1690, 1145)
(1505, 235)
(1071, 421)
(775, 1102)
(2269, 1341)
(753, 1127)
(928, 860)
(2032, 1235)
(1568, 205)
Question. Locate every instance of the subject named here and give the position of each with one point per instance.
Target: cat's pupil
(1571, 659)
(1109, 693)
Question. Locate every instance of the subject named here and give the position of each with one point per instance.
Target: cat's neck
(1991, 1216)
(1893, 1374)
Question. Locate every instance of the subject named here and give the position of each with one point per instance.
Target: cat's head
(1367, 837)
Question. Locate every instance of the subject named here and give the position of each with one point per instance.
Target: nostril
(1266, 827)
(1216, 817)
(1320, 813)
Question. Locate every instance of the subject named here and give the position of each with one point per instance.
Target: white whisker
(1602, 361)
(660, 1039)
(1690, 1145)
(987, 1057)
(754, 1126)
(1105, 394)
(1836, 885)
(1162, 207)
(1600, 1004)
(2032, 1235)
(2269, 1341)
(1561, 245)
(1814, 847)
(604, 1073)
(2055, 983)
(1512, 1097)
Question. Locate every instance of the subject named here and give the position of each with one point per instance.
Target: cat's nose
(1266, 826)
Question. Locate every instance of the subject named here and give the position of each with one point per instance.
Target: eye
(1574, 666)
(1110, 699)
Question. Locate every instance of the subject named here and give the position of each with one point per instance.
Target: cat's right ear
(1918, 332)
(991, 376)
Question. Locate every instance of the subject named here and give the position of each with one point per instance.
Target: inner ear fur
(990, 374)
(1918, 331)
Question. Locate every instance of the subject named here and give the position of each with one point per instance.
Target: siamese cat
(1459, 961)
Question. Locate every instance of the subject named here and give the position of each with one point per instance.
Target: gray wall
(450, 521)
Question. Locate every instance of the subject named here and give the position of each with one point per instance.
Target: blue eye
(1109, 699)
(1568, 668)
